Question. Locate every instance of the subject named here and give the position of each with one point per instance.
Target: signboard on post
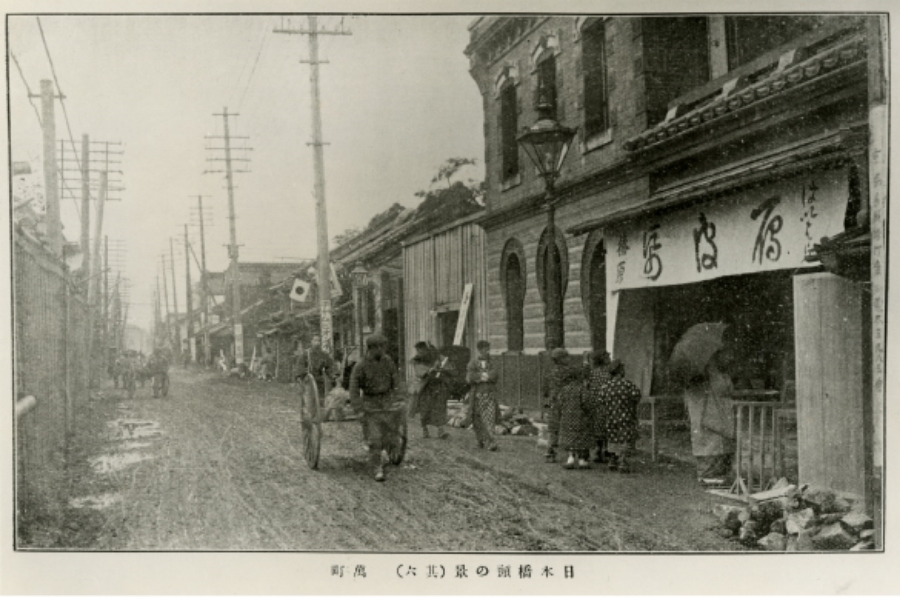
(463, 314)
(239, 343)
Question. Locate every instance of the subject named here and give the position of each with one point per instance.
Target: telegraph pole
(105, 299)
(233, 247)
(175, 298)
(166, 294)
(51, 183)
(160, 328)
(201, 215)
(190, 302)
(323, 276)
(85, 208)
(94, 284)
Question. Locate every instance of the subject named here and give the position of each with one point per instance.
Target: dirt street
(218, 465)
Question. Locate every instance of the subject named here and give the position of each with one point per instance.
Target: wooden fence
(50, 364)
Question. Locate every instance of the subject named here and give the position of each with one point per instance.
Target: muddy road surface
(218, 465)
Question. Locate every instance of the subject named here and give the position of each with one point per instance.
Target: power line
(253, 70)
(41, 123)
(61, 96)
(251, 42)
(27, 88)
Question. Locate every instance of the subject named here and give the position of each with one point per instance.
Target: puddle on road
(96, 502)
(133, 429)
(135, 445)
(110, 463)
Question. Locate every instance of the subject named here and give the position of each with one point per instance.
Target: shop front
(744, 259)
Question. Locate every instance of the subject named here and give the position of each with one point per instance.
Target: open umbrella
(694, 350)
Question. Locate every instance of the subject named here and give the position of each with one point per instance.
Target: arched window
(553, 286)
(512, 276)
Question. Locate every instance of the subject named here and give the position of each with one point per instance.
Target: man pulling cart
(373, 394)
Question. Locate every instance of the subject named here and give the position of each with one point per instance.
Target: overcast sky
(397, 100)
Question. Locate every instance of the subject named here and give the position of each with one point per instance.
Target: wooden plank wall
(830, 391)
(435, 272)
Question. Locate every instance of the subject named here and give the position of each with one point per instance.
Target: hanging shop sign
(763, 229)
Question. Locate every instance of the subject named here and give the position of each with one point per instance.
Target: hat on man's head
(558, 354)
(375, 340)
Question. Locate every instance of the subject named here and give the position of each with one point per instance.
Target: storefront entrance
(759, 311)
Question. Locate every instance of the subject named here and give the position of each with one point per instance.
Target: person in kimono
(434, 374)
(620, 399)
(576, 434)
(552, 384)
(708, 399)
(597, 379)
(482, 375)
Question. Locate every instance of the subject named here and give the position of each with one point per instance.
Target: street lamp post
(360, 279)
(547, 143)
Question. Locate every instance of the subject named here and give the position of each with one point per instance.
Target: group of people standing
(435, 382)
(592, 407)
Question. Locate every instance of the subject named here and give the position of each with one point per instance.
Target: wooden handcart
(312, 411)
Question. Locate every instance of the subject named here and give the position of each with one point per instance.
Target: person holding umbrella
(700, 363)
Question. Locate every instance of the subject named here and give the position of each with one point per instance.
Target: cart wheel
(310, 426)
(397, 450)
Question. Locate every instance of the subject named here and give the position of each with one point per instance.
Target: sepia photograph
(509, 283)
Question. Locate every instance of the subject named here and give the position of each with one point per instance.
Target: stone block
(804, 541)
(833, 537)
(842, 504)
(749, 533)
(856, 521)
(800, 520)
(830, 518)
(778, 526)
(791, 543)
(821, 499)
(726, 513)
(773, 542)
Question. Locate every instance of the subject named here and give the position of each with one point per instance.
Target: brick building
(720, 172)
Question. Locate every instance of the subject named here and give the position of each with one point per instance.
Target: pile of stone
(791, 518)
(515, 424)
(509, 423)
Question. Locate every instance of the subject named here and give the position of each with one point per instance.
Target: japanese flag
(300, 291)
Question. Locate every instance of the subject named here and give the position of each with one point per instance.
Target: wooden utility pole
(159, 330)
(51, 182)
(175, 298)
(233, 247)
(190, 302)
(105, 299)
(203, 289)
(94, 284)
(85, 208)
(323, 276)
(166, 295)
